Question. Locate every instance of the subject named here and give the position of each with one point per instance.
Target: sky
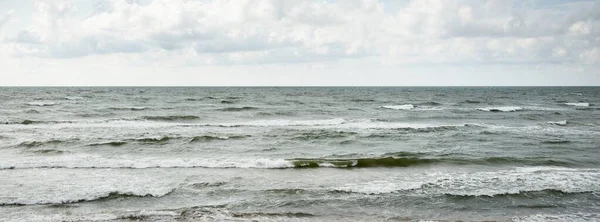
(299, 43)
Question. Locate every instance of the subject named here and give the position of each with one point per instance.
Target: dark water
(305, 154)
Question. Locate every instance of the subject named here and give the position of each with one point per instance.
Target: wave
(587, 108)
(236, 109)
(208, 138)
(113, 143)
(400, 107)
(170, 118)
(521, 194)
(416, 161)
(387, 160)
(501, 109)
(128, 108)
(154, 140)
(271, 215)
(31, 122)
(578, 104)
(430, 103)
(322, 134)
(31, 144)
(49, 151)
(282, 122)
(40, 103)
(558, 123)
(73, 98)
(363, 100)
(93, 197)
(556, 142)
(496, 183)
(472, 101)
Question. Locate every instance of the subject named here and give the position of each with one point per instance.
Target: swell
(128, 108)
(106, 196)
(209, 138)
(237, 109)
(398, 160)
(322, 134)
(170, 118)
(31, 144)
(520, 194)
(31, 122)
(409, 161)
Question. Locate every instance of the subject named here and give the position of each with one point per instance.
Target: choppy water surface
(300, 154)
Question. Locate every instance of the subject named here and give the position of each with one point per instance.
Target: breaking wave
(399, 160)
(501, 109)
(92, 197)
(236, 109)
(578, 104)
(400, 107)
(208, 138)
(128, 108)
(170, 118)
(40, 103)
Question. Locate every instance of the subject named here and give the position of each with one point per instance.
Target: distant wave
(321, 134)
(472, 101)
(30, 144)
(208, 138)
(154, 140)
(48, 151)
(91, 197)
(236, 109)
(400, 107)
(40, 103)
(415, 161)
(363, 100)
(73, 98)
(112, 143)
(128, 108)
(170, 118)
(501, 109)
(384, 161)
(520, 194)
(430, 103)
(559, 123)
(578, 104)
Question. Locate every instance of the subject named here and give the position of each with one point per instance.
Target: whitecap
(559, 123)
(41, 103)
(501, 109)
(578, 104)
(400, 107)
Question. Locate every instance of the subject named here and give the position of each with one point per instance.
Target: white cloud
(591, 56)
(203, 33)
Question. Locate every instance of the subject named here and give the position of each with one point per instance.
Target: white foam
(283, 122)
(96, 161)
(40, 103)
(32, 187)
(400, 107)
(519, 180)
(501, 109)
(73, 98)
(557, 217)
(559, 123)
(578, 104)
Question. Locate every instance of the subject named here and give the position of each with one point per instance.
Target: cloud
(272, 31)
(4, 19)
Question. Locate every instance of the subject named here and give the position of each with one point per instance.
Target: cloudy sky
(299, 42)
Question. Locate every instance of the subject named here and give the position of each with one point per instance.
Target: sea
(300, 154)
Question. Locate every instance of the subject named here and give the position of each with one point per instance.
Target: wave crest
(501, 109)
(400, 107)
